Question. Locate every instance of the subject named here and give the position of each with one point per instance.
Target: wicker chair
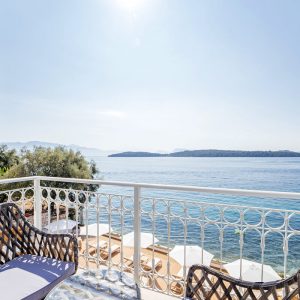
(32, 261)
(206, 283)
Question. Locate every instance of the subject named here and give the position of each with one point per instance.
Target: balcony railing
(263, 226)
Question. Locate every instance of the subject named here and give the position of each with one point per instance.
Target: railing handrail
(16, 180)
(181, 188)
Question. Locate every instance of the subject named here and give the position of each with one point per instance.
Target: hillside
(211, 153)
(137, 154)
(30, 145)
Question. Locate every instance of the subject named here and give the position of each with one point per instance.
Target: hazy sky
(151, 75)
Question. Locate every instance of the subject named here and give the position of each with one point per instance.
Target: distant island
(210, 153)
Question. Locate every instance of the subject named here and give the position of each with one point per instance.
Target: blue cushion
(31, 277)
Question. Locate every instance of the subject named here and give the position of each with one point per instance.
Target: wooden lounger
(147, 264)
(92, 246)
(105, 252)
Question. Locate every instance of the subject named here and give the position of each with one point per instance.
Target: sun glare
(130, 5)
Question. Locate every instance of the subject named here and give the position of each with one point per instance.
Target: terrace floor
(147, 294)
(148, 282)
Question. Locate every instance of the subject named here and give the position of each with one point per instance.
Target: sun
(130, 5)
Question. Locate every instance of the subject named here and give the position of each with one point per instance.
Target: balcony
(220, 229)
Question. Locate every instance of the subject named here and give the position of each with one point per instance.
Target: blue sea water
(273, 174)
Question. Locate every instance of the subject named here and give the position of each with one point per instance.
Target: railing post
(137, 233)
(37, 204)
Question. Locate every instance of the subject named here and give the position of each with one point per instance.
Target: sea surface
(271, 174)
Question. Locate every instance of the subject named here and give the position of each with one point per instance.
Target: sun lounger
(104, 249)
(92, 246)
(127, 264)
(148, 264)
(177, 287)
(105, 252)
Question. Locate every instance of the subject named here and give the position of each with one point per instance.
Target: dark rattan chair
(32, 262)
(207, 283)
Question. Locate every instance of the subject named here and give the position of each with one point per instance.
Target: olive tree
(8, 158)
(56, 162)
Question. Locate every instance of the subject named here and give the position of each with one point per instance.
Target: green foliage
(8, 158)
(57, 162)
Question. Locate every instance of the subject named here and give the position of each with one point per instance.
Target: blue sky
(151, 75)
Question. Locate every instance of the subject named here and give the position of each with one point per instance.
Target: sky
(152, 75)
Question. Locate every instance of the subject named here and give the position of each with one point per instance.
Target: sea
(270, 174)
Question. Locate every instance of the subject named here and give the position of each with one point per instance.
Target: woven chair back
(18, 237)
(206, 283)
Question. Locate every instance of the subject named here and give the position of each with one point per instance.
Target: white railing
(268, 235)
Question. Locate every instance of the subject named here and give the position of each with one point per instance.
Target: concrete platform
(152, 295)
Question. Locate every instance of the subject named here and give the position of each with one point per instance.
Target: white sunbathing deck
(147, 294)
